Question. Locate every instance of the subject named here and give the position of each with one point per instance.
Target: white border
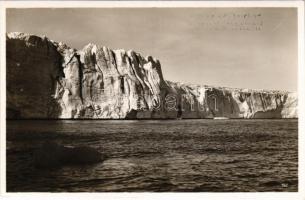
(141, 4)
(2, 101)
(85, 4)
(301, 100)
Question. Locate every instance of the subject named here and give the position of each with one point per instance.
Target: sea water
(162, 156)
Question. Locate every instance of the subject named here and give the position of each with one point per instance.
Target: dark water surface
(152, 155)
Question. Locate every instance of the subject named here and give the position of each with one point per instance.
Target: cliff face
(46, 79)
(32, 69)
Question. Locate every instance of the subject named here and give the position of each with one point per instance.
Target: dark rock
(51, 155)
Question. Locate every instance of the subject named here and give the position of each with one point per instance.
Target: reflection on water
(152, 155)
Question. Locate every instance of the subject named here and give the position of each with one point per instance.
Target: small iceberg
(221, 118)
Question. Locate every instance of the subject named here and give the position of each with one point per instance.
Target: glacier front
(49, 80)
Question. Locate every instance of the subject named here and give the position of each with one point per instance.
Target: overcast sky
(235, 47)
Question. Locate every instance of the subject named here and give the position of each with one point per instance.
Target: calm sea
(151, 155)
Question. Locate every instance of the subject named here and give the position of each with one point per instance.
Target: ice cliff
(46, 79)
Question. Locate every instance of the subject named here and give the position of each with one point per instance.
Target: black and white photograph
(152, 99)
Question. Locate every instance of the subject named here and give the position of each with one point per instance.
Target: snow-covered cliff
(46, 79)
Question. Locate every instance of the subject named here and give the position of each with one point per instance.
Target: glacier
(50, 80)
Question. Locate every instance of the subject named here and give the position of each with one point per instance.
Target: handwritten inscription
(233, 22)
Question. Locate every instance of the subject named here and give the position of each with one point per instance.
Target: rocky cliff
(46, 79)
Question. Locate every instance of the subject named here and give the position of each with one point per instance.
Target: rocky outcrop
(32, 70)
(51, 155)
(46, 79)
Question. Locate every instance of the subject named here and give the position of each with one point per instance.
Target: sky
(233, 47)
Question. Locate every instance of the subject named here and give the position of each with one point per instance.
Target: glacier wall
(47, 79)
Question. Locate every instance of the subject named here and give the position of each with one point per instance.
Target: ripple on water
(161, 156)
